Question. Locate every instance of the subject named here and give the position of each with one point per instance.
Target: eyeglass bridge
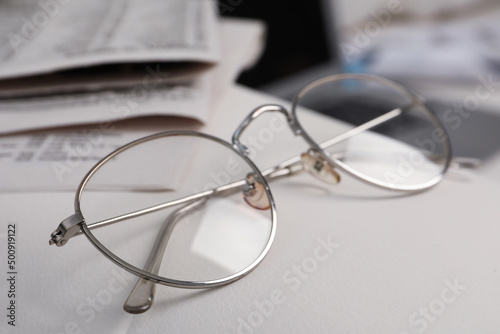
(256, 113)
(66, 230)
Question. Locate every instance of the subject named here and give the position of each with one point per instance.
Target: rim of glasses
(351, 171)
(160, 279)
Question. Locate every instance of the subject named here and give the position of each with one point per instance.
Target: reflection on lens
(208, 233)
(374, 129)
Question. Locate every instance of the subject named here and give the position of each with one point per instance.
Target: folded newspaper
(94, 62)
(55, 46)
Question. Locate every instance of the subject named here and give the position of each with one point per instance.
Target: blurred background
(447, 51)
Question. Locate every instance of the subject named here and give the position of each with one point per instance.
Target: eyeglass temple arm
(363, 127)
(141, 297)
(457, 162)
(71, 226)
(278, 170)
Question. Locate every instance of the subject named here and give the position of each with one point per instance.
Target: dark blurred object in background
(299, 37)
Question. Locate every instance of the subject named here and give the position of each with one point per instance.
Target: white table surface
(426, 263)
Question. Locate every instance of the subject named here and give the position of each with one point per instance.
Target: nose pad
(255, 194)
(320, 168)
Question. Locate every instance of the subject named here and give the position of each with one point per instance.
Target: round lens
(177, 206)
(374, 129)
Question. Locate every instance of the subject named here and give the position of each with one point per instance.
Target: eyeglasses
(195, 212)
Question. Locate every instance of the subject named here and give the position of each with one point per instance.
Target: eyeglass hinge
(66, 230)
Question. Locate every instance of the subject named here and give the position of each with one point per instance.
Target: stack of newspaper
(79, 62)
(71, 70)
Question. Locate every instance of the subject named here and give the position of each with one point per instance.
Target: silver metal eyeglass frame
(142, 296)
